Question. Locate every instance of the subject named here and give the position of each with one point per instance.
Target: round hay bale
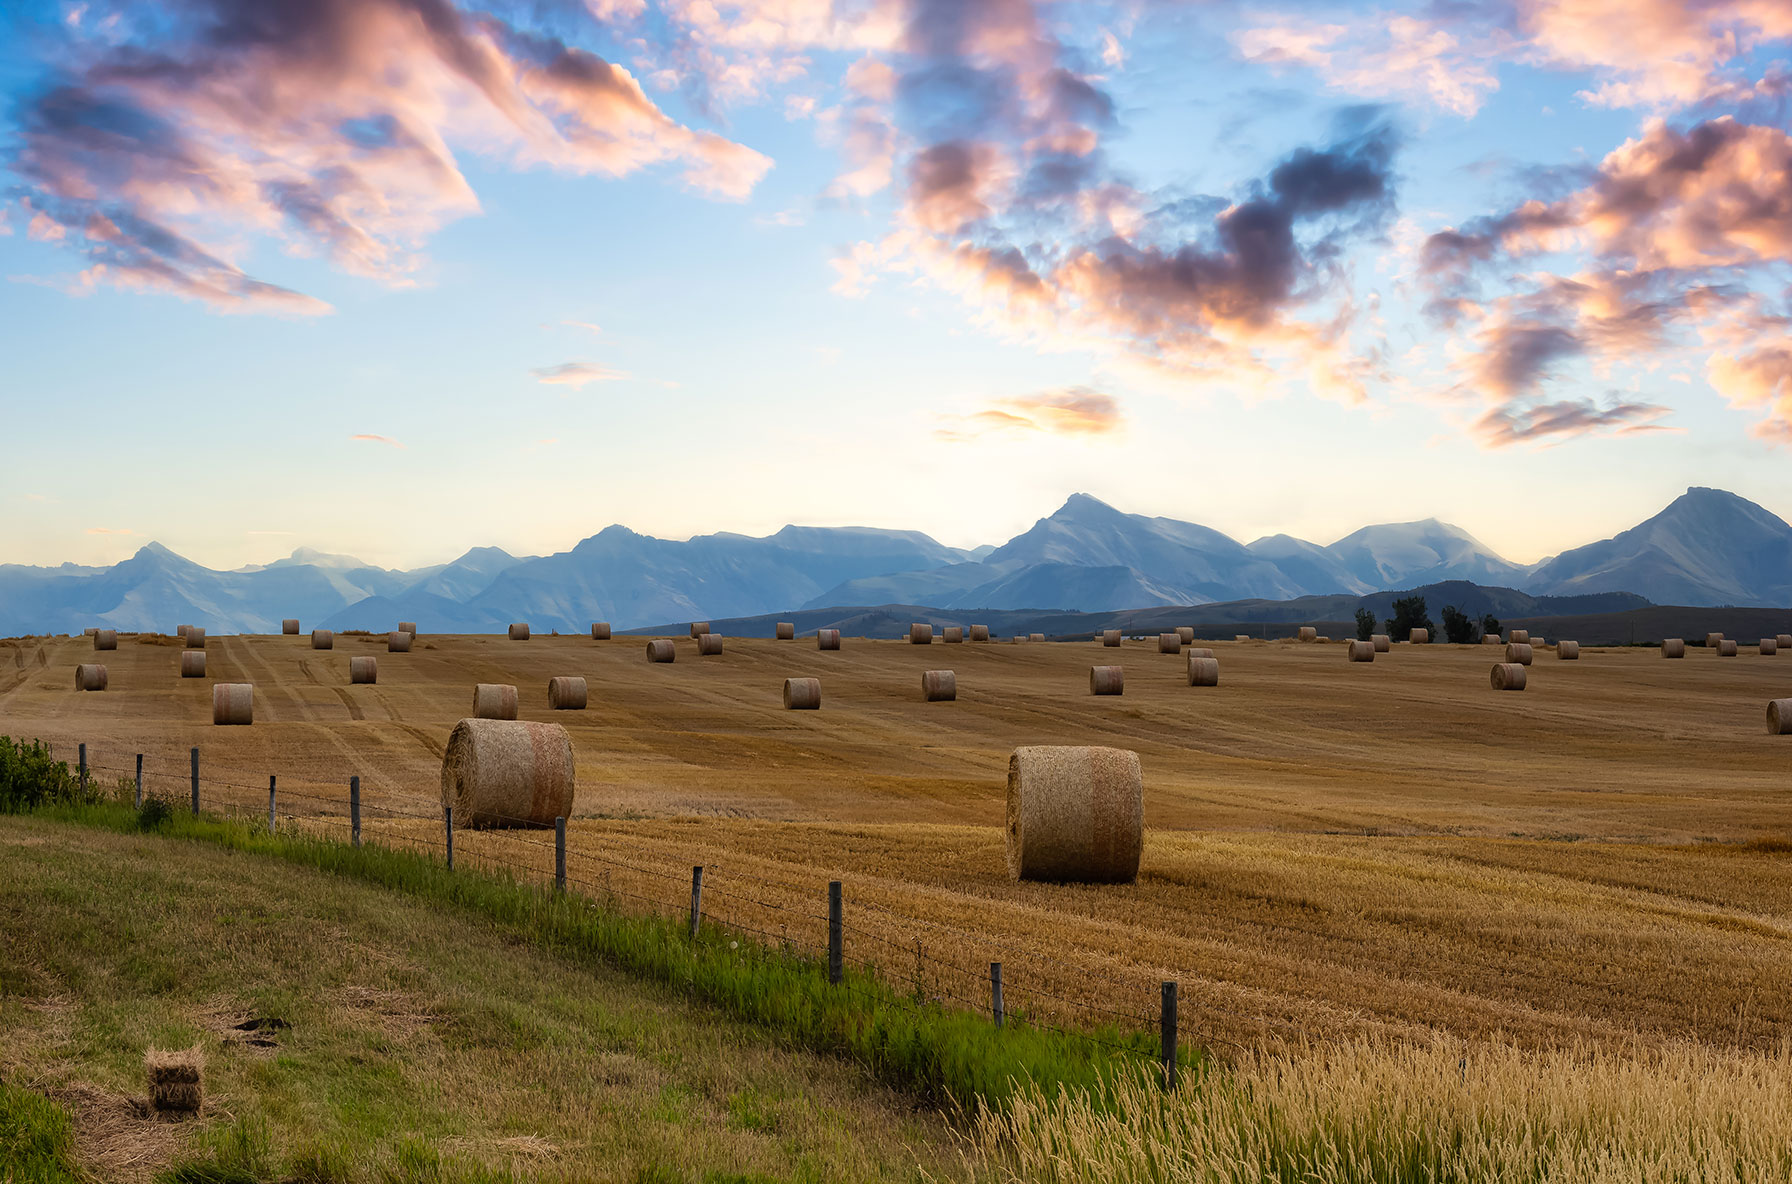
(1361, 651)
(195, 637)
(90, 676)
(1018, 639)
(1110, 638)
(1491, 639)
(566, 693)
(105, 639)
(952, 635)
(1769, 647)
(709, 645)
(92, 629)
(233, 703)
(1382, 643)
(505, 773)
(1784, 641)
(1035, 637)
(1673, 647)
(519, 631)
(192, 663)
(1322, 639)
(1107, 680)
(1241, 637)
(1200, 652)
(698, 629)
(920, 634)
(494, 700)
(786, 631)
(289, 627)
(1518, 637)
(660, 649)
(1075, 814)
(802, 694)
(1568, 651)
(1308, 633)
(1169, 643)
(1779, 717)
(1508, 676)
(1203, 672)
(323, 639)
(600, 631)
(363, 669)
(979, 632)
(939, 686)
(399, 643)
(827, 639)
(408, 627)
(1726, 648)
(1712, 640)
(1519, 652)
(1419, 637)
(1185, 634)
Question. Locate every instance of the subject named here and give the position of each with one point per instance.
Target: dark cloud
(1505, 426)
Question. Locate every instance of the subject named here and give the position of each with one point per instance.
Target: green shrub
(29, 778)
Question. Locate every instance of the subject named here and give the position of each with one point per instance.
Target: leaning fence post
(270, 803)
(836, 934)
(1168, 1034)
(448, 830)
(83, 770)
(354, 809)
(696, 898)
(560, 854)
(195, 781)
(139, 781)
(995, 992)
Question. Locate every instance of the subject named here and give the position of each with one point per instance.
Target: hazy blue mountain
(1708, 547)
(463, 579)
(1315, 568)
(1407, 554)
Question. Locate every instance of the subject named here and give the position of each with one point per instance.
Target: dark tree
(1365, 624)
(1459, 627)
(1410, 614)
(1490, 624)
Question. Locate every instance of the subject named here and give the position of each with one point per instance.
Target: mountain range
(1708, 547)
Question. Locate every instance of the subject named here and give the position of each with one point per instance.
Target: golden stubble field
(1333, 849)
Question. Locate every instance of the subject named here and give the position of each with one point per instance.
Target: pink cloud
(575, 374)
(1073, 411)
(369, 438)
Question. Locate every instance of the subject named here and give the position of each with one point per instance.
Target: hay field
(1334, 849)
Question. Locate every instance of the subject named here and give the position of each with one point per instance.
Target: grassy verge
(36, 1139)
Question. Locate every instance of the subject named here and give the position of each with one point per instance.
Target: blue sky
(1519, 264)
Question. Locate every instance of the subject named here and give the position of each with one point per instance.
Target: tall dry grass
(1441, 1113)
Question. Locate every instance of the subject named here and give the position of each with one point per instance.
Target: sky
(395, 278)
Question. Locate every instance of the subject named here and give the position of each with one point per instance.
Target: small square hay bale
(175, 1085)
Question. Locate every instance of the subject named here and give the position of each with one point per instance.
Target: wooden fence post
(560, 855)
(1167, 1031)
(139, 781)
(354, 809)
(270, 803)
(995, 993)
(696, 898)
(448, 830)
(83, 770)
(195, 781)
(836, 934)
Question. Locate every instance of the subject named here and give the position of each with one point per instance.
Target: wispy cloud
(588, 326)
(1073, 411)
(369, 438)
(109, 530)
(575, 374)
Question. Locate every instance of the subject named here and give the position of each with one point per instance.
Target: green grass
(36, 1139)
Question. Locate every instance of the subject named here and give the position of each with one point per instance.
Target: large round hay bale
(1308, 633)
(105, 639)
(1203, 672)
(1779, 717)
(408, 627)
(1382, 643)
(827, 639)
(1491, 639)
(698, 629)
(233, 703)
(195, 637)
(1110, 638)
(90, 676)
(519, 631)
(1520, 652)
(1419, 637)
(600, 631)
(939, 686)
(1673, 647)
(566, 693)
(399, 642)
(506, 773)
(802, 694)
(786, 630)
(1200, 652)
(1185, 634)
(1322, 639)
(363, 669)
(1784, 641)
(1726, 648)
(979, 632)
(192, 663)
(1769, 647)
(289, 627)
(323, 639)
(920, 634)
(494, 700)
(1075, 814)
(1169, 643)
(660, 649)
(1712, 640)
(952, 635)
(709, 645)
(1568, 651)
(1018, 639)
(1518, 637)
(1035, 637)
(1241, 637)
(1361, 651)
(1107, 680)
(1508, 676)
